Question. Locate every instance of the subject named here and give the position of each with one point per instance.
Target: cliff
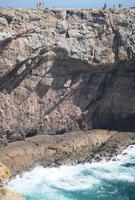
(65, 70)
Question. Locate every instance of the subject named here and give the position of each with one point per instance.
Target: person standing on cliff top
(120, 5)
(40, 4)
(104, 7)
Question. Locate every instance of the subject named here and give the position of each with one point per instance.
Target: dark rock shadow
(90, 94)
(13, 79)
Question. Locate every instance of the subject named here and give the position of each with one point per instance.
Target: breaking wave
(105, 180)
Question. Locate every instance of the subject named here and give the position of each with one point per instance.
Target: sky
(66, 3)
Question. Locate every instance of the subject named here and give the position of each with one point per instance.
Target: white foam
(79, 177)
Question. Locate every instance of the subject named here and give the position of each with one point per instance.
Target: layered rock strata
(64, 70)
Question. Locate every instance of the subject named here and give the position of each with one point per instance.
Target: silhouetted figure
(120, 5)
(104, 7)
(40, 4)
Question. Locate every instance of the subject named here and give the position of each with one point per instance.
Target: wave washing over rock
(104, 180)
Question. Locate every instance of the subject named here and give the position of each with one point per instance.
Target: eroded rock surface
(65, 70)
(71, 148)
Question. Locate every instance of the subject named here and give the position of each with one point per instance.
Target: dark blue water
(112, 180)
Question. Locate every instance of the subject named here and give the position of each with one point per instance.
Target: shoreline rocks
(4, 175)
(71, 148)
(6, 194)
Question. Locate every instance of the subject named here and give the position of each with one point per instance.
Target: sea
(104, 180)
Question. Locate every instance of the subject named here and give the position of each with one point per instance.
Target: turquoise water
(112, 180)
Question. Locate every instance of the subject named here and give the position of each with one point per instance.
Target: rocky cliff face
(66, 70)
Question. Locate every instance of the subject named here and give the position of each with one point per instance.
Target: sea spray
(105, 180)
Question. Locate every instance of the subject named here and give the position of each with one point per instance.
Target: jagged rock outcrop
(6, 194)
(65, 70)
(4, 174)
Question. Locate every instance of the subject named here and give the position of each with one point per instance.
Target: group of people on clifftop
(105, 6)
